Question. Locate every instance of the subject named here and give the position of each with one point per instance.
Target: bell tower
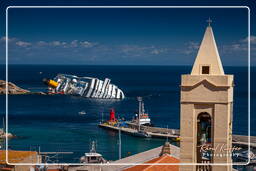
(206, 107)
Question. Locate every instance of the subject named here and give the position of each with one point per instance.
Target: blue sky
(123, 36)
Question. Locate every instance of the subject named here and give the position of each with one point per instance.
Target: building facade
(206, 105)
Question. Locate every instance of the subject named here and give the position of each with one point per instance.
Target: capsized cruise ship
(83, 86)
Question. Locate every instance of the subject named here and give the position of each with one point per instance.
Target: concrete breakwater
(157, 132)
(152, 131)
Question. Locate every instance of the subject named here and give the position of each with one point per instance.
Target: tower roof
(208, 59)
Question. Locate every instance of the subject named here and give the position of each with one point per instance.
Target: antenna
(102, 117)
(119, 138)
(167, 134)
(38, 158)
(140, 108)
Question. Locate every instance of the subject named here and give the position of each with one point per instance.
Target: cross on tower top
(209, 21)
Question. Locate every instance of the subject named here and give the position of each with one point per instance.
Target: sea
(51, 123)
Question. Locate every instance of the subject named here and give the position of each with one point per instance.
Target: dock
(157, 132)
(131, 131)
(242, 140)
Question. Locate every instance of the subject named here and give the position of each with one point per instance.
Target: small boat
(92, 156)
(177, 139)
(142, 134)
(3, 134)
(82, 113)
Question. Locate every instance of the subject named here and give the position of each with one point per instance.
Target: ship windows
(205, 69)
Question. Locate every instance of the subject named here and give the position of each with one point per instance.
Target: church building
(206, 109)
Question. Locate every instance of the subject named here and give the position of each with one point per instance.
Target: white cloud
(23, 44)
(74, 43)
(236, 46)
(240, 46)
(86, 49)
(3, 39)
(86, 44)
(191, 47)
(252, 39)
(71, 44)
(42, 43)
(155, 52)
(55, 43)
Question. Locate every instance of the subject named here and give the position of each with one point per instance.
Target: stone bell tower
(206, 107)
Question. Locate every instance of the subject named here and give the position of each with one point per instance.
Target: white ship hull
(145, 121)
(87, 87)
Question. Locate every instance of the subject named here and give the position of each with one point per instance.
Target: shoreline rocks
(14, 89)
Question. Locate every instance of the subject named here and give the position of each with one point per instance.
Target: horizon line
(129, 65)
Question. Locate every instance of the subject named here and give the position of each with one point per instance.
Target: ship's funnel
(50, 83)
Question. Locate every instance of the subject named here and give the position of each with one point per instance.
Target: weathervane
(209, 21)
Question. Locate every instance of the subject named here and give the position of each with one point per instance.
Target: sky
(124, 36)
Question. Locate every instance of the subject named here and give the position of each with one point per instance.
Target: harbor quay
(174, 134)
(155, 132)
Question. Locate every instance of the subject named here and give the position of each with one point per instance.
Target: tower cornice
(224, 81)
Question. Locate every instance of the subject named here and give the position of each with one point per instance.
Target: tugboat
(141, 134)
(142, 121)
(142, 118)
(92, 156)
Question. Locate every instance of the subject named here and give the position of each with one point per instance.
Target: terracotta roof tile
(163, 159)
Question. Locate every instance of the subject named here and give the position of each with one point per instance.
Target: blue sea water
(53, 122)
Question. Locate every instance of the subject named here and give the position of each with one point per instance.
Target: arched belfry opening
(204, 140)
(204, 129)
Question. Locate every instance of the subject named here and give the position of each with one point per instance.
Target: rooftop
(15, 156)
(166, 158)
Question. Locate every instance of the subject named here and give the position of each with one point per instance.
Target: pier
(174, 134)
(242, 140)
(148, 130)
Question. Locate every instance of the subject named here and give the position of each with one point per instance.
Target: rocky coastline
(14, 89)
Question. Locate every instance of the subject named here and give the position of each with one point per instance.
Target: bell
(203, 139)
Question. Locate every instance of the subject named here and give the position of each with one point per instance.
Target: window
(205, 69)
(93, 158)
